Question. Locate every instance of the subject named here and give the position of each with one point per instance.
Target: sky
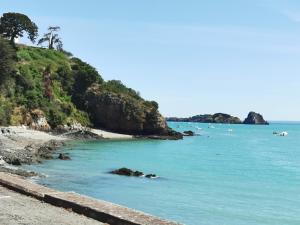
(191, 56)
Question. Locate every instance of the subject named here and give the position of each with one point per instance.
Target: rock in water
(255, 118)
(138, 174)
(63, 156)
(188, 133)
(127, 172)
(151, 176)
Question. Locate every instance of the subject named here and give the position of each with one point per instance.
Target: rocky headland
(50, 90)
(127, 114)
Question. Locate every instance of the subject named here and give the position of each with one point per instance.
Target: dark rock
(255, 118)
(167, 135)
(151, 176)
(127, 172)
(138, 174)
(208, 118)
(16, 162)
(188, 133)
(63, 156)
(6, 131)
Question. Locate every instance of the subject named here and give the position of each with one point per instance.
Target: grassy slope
(26, 90)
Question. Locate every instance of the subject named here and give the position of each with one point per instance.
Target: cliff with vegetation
(208, 118)
(49, 89)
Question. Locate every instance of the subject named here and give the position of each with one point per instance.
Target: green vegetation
(7, 58)
(28, 86)
(38, 84)
(13, 25)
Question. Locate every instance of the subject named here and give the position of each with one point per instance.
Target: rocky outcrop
(208, 118)
(35, 119)
(151, 176)
(63, 156)
(125, 114)
(131, 173)
(127, 172)
(39, 121)
(255, 118)
(188, 133)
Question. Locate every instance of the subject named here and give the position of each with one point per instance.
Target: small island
(255, 118)
(252, 118)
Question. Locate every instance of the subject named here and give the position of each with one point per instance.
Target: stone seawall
(102, 211)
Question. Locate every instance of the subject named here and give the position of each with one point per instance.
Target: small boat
(284, 133)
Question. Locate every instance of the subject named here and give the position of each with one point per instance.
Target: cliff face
(207, 118)
(255, 118)
(123, 114)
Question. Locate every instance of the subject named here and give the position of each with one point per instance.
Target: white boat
(284, 133)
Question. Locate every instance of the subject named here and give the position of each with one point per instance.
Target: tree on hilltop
(14, 25)
(52, 38)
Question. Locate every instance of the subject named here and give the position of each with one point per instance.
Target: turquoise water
(245, 176)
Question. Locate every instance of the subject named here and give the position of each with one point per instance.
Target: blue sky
(192, 57)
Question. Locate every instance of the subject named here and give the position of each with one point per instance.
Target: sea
(225, 175)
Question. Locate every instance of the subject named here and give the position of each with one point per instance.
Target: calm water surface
(231, 174)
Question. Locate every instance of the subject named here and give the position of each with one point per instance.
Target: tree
(84, 76)
(14, 25)
(7, 58)
(52, 38)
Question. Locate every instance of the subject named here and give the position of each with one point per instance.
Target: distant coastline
(252, 118)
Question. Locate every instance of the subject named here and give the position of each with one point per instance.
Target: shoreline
(21, 145)
(25, 146)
